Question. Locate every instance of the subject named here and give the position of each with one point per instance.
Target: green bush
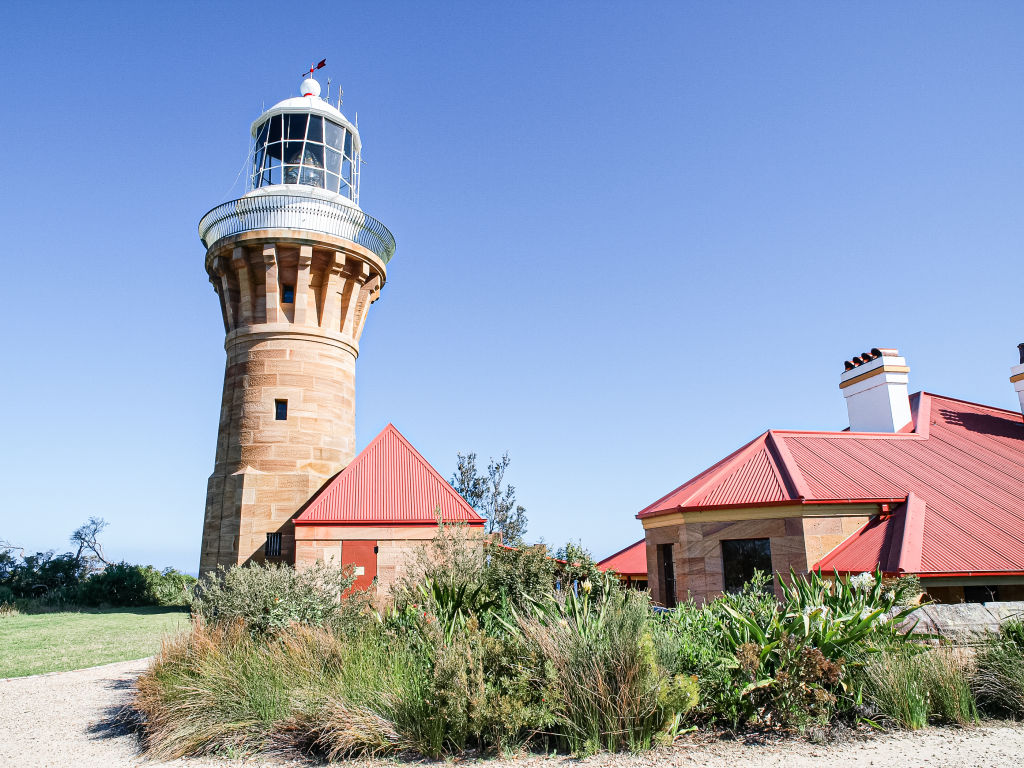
(41, 574)
(517, 577)
(124, 584)
(998, 680)
(911, 686)
(769, 663)
(269, 597)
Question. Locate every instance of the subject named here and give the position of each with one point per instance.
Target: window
(287, 294)
(273, 547)
(299, 148)
(281, 410)
(668, 575)
(741, 557)
(981, 593)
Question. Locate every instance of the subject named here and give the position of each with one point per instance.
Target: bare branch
(87, 539)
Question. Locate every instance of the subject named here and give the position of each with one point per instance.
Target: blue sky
(630, 237)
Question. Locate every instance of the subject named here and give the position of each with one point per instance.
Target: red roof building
(630, 564)
(941, 497)
(378, 510)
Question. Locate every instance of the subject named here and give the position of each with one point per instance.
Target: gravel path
(65, 719)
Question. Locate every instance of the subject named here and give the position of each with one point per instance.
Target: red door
(363, 556)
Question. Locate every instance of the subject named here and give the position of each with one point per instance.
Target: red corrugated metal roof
(963, 462)
(388, 483)
(631, 561)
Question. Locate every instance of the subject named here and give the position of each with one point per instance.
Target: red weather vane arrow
(314, 67)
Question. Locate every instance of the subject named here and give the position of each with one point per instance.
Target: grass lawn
(31, 644)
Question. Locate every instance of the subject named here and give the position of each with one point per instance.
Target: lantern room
(306, 141)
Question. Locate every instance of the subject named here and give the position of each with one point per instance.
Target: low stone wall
(958, 619)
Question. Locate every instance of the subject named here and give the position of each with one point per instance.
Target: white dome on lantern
(309, 87)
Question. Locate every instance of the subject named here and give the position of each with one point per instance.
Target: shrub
(123, 584)
(454, 557)
(911, 685)
(515, 578)
(781, 664)
(608, 690)
(998, 680)
(43, 573)
(169, 586)
(269, 597)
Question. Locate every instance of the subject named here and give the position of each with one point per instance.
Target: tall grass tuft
(911, 686)
(220, 689)
(998, 681)
(608, 690)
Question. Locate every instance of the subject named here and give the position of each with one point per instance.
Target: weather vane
(314, 67)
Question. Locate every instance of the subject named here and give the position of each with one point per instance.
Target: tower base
(242, 507)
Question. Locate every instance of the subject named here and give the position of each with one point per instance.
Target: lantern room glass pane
(313, 155)
(346, 170)
(291, 174)
(333, 161)
(314, 177)
(293, 152)
(316, 128)
(274, 134)
(332, 182)
(261, 135)
(335, 135)
(295, 126)
(344, 189)
(348, 144)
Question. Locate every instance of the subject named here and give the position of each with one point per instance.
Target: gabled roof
(388, 483)
(962, 462)
(631, 561)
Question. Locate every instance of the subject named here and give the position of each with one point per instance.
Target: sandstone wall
(302, 352)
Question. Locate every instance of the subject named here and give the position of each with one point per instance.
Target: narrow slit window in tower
(288, 294)
(281, 410)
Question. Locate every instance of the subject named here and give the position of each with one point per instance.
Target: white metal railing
(297, 212)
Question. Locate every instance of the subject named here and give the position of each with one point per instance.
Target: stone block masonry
(302, 352)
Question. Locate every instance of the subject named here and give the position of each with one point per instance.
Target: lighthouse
(296, 264)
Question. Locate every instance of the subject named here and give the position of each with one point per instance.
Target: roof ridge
(698, 477)
(702, 480)
(793, 476)
(911, 545)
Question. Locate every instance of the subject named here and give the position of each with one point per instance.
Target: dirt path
(64, 719)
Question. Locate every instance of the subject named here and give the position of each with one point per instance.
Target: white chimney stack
(1017, 377)
(875, 387)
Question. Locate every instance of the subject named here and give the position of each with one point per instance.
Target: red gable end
(388, 483)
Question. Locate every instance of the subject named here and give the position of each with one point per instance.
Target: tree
(86, 537)
(486, 494)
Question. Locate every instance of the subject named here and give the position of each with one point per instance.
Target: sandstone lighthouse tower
(296, 264)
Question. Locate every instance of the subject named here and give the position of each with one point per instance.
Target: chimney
(1017, 377)
(875, 387)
